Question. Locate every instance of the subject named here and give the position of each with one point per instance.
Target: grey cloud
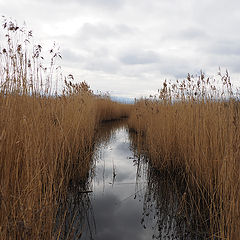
(224, 48)
(116, 4)
(140, 57)
(192, 33)
(154, 65)
(221, 53)
(145, 41)
(234, 66)
(71, 56)
(101, 60)
(91, 59)
(103, 31)
(102, 64)
(103, 3)
(178, 70)
(178, 67)
(230, 62)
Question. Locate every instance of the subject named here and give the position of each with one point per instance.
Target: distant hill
(122, 99)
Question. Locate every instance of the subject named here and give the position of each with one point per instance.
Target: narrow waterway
(127, 199)
(118, 192)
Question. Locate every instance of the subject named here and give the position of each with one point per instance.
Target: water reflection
(117, 200)
(166, 206)
(129, 199)
(75, 216)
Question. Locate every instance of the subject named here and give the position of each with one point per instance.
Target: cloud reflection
(126, 208)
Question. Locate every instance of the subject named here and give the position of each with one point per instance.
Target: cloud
(140, 57)
(112, 4)
(71, 56)
(130, 47)
(192, 33)
(226, 47)
(106, 65)
(102, 31)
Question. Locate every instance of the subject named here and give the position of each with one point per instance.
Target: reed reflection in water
(129, 199)
(166, 200)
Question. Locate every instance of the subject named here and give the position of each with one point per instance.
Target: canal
(126, 198)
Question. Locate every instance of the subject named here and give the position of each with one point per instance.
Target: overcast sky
(129, 47)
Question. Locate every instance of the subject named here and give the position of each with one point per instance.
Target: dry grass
(198, 131)
(110, 111)
(46, 140)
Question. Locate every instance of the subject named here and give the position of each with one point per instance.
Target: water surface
(117, 197)
(126, 198)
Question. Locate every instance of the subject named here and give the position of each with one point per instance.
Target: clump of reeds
(193, 125)
(46, 137)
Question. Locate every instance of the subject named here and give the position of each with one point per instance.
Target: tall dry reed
(195, 126)
(46, 138)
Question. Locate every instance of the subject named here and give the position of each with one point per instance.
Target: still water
(127, 199)
(118, 192)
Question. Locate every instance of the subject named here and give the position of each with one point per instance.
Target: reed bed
(193, 127)
(110, 111)
(46, 138)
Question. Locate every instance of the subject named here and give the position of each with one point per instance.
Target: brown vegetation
(46, 139)
(194, 128)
